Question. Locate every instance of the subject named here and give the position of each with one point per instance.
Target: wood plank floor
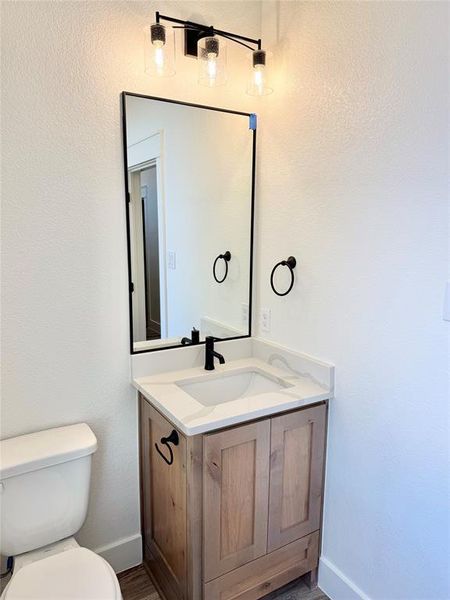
(136, 585)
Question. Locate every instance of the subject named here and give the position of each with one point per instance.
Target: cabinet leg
(311, 578)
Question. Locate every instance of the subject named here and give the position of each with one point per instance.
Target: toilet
(44, 492)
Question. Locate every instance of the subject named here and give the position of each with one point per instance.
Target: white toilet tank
(44, 486)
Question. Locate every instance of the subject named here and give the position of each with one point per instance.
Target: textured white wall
(65, 304)
(353, 181)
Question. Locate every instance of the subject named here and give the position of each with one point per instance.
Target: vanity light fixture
(159, 50)
(212, 61)
(209, 46)
(258, 84)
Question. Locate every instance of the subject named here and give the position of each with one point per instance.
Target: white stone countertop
(192, 417)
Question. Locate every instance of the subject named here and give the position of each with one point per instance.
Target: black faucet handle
(213, 338)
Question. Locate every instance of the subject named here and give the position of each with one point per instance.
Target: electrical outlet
(264, 320)
(171, 260)
(244, 309)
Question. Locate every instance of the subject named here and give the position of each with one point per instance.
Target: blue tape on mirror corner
(252, 122)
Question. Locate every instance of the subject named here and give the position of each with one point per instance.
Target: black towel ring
(172, 439)
(226, 257)
(290, 263)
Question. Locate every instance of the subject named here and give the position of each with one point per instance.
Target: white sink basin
(225, 387)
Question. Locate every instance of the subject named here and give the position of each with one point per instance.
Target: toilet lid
(75, 574)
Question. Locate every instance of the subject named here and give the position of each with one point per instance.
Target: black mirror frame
(252, 126)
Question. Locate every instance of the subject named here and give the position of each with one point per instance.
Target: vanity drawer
(267, 573)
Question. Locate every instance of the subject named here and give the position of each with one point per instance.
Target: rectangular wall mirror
(189, 176)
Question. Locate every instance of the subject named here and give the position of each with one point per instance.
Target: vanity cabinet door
(163, 503)
(296, 475)
(235, 497)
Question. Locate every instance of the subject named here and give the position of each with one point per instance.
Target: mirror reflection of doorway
(149, 205)
(146, 292)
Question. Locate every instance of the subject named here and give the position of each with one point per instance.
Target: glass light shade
(159, 49)
(212, 61)
(259, 81)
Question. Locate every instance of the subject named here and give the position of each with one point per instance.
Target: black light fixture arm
(234, 37)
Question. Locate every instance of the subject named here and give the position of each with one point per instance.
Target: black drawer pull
(172, 439)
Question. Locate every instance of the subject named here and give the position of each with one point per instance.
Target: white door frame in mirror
(142, 155)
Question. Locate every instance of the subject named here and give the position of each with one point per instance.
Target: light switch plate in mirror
(190, 196)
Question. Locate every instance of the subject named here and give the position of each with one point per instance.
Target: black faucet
(194, 339)
(210, 353)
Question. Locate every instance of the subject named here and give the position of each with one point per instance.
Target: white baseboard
(124, 553)
(336, 585)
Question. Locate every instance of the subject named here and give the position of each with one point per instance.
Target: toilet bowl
(74, 574)
(44, 489)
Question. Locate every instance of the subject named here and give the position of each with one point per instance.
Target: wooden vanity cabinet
(237, 514)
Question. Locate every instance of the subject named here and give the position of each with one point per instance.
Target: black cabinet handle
(226, 256)
(290, 263)
(172, 439)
